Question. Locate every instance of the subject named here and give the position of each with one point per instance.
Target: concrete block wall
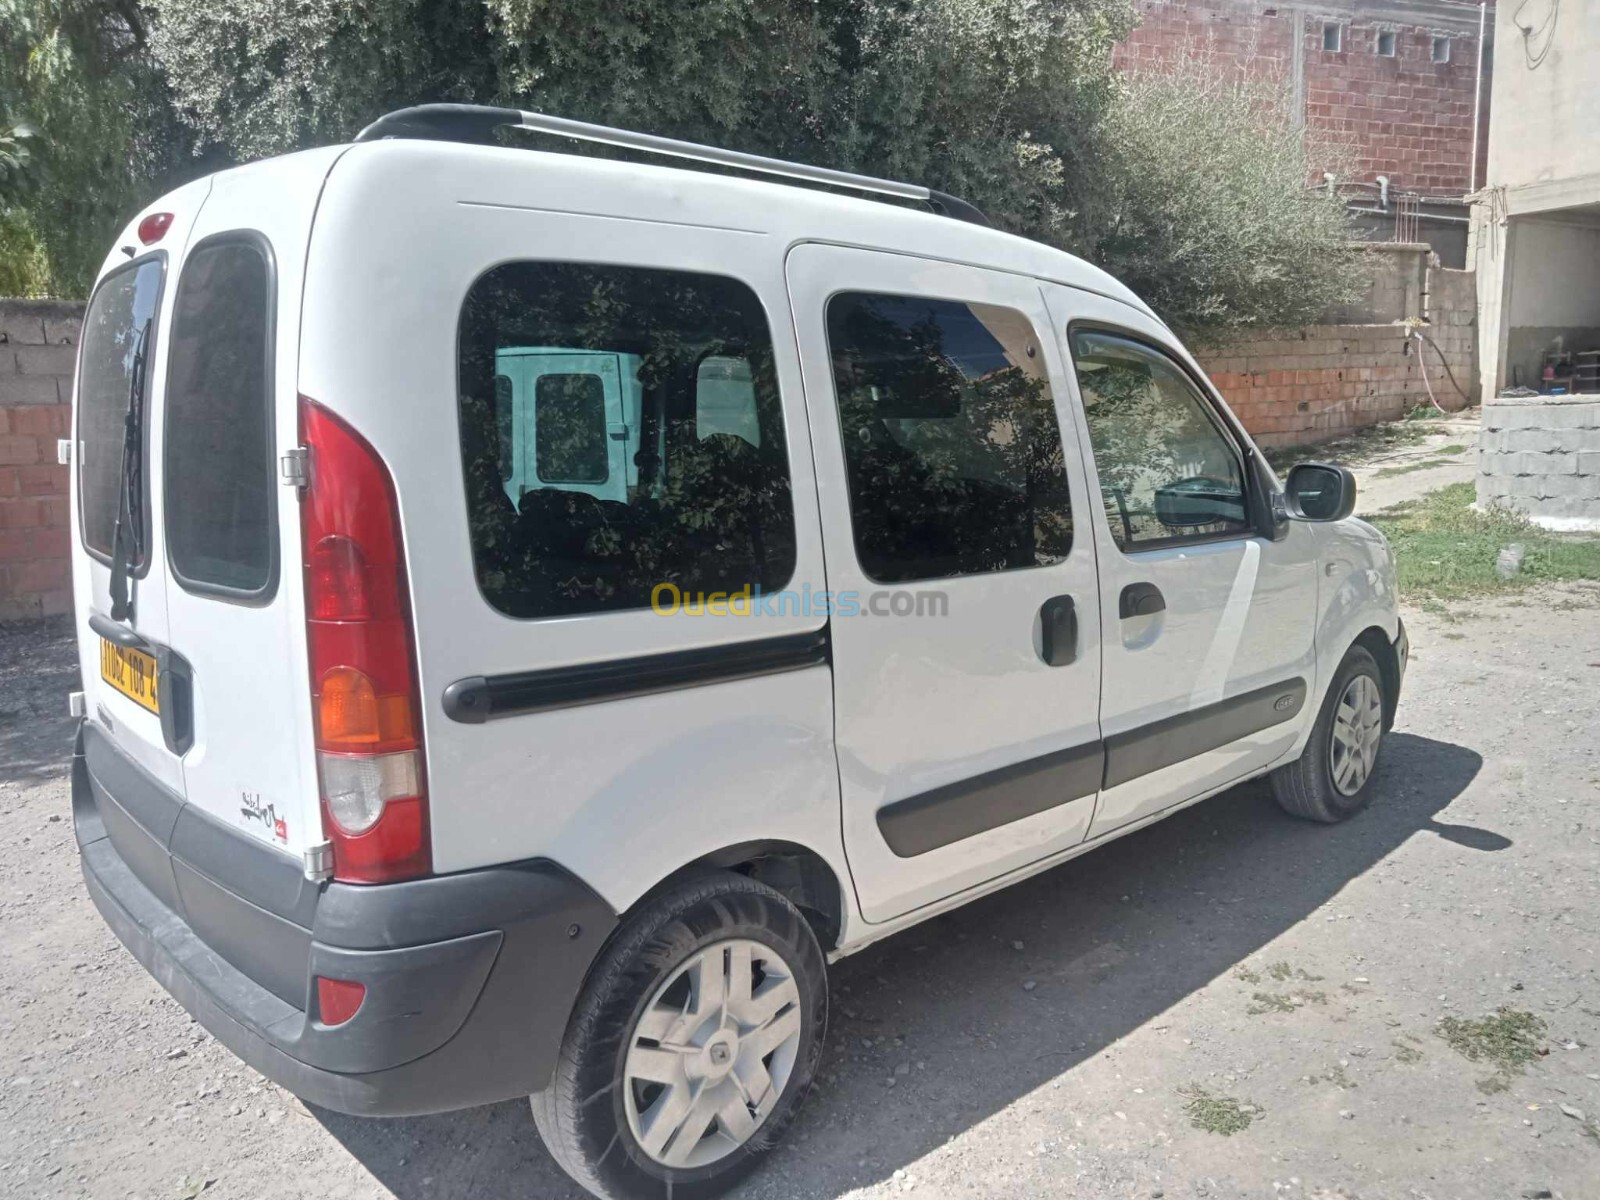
(1542, 457)
(1315, 384)
(38, 352)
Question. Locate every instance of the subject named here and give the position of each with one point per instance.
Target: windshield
(121, 307)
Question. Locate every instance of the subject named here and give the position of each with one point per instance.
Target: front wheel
(692, 1045)
(1332, 779)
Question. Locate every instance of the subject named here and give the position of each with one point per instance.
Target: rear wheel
(1332, 779)
(692, 1045)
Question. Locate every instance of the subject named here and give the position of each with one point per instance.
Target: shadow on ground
(1113, 939)
(38, 668)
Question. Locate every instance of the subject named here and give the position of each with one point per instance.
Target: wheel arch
(798, 873)
(1376, 642)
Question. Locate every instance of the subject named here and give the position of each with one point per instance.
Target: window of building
(221, 479)
(1386, 43)
(620, 427)
(950, 437)
(1441, 50)
(1167, 470)
(1333, 36)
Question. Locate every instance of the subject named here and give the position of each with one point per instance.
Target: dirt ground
(1043, 1042)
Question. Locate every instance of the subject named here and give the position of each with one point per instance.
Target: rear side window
(220, 490)
(118, 337)
(621, 428)
(950, 438)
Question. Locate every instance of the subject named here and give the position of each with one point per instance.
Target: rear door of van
(203, 682)
(235, 601)
(117, 424)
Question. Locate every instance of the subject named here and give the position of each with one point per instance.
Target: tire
(1327, 783)
(660, 975)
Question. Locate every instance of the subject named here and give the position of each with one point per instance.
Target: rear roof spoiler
(477, 123)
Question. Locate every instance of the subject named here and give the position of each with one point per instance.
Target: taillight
(364, 697)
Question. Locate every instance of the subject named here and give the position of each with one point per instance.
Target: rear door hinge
(294, 466)
(319, 861)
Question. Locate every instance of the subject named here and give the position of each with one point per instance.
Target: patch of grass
(1509, 1038)
(1283, 1002)
(1404, 1052)
(1218, 1114)
(1282, 970)
(1335, 1076)
(1445, 550)
(1246, 974)
(1452, 448)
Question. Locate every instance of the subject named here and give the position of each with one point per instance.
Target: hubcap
(1357, 729)
(712, 1053)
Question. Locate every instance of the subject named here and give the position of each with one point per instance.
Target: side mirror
(1199, 500)
(1320, 492)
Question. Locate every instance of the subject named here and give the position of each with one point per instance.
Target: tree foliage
(1203, 205)
(79, 74)
(1188, 186)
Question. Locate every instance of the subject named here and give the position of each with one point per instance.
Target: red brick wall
(1315, 384)
(1405, 117)
(38, 346)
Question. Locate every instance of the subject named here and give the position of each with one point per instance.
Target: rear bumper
(469, 978)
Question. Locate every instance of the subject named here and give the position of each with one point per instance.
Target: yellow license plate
(131, 672)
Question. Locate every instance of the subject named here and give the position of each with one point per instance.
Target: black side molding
(1148, 748)
(972, 806)
(947, 814)
(487, 697)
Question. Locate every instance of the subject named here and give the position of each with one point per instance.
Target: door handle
(1141, 600)
(1058, 627)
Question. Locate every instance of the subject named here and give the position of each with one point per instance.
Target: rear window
(220, 489)
(620, 428)
(114, 331)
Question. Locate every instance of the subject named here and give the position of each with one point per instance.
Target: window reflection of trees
(707, 513)
(950, 438)
(1148, 433)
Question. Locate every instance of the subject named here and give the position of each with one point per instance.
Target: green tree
(1202, 203)
(79, 73)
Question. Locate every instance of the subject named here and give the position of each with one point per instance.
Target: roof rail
(475, 122)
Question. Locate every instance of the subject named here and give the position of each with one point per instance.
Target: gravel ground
(1042, 1042)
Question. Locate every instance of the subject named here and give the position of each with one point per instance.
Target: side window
(702, 498)
(570, 416)
(220, 478)
(950, 438)
(1167, 471)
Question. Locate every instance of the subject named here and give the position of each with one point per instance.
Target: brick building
(1395, 82)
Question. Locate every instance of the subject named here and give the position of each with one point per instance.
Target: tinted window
(219, 471)
(950, 438)
(570, 415)
(113, 334)
(620, 380)
(1166, 470)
